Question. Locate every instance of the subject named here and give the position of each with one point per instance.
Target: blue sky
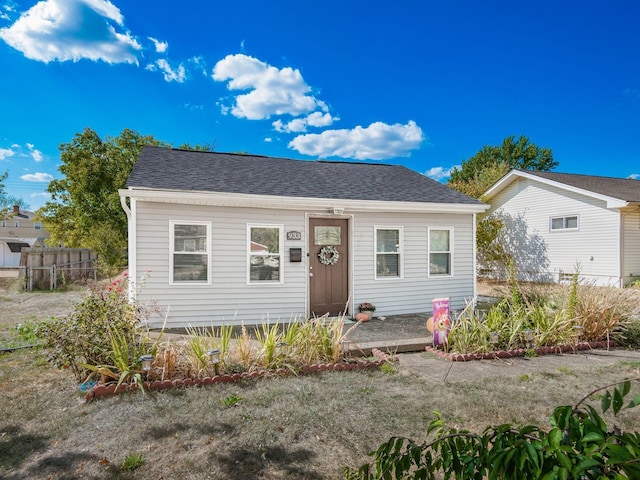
(423, 83)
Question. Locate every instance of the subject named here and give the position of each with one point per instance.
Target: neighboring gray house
(557, 221)
(230, 238)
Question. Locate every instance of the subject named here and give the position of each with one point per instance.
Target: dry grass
(283, 428)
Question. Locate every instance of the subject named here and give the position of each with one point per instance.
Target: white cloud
(378, 141)
(37, 177)
(438, 173)
(35, 153)
(62, 30)
(315, 119)
(6, 153)
(634, 176)
(161, 47)
(273, 91)
(268, 139)
(170, 75)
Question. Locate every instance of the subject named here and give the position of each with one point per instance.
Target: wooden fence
(48, 268)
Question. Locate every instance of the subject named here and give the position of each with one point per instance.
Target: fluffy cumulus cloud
(62, 30)
(634, 176)
(438, 173)
(177, 74)
(37, 177)
(271, 91)
(378, 141)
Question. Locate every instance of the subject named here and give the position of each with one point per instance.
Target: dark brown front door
(328, 265)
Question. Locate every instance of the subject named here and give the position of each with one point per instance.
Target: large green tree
(85, 210)
(512, 153)
(477, 174)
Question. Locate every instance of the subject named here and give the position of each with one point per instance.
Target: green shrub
(102, 330)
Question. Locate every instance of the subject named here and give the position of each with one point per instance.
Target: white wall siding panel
(229, 299)
(415, 291)
(631, 243)
(594, 247)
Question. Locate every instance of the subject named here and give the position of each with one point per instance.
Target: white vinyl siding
(546, 255)
(416, 290)
(229, 299)
(388, 252)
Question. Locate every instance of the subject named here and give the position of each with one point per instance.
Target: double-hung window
(564, 223)
(264, 251)
(440, 251)
(388, 252)
(190, 252)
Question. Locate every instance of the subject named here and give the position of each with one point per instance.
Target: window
(388, 251)
(16, 224)
(265, 253)
(564, 223)
(3, 223)
(440, 251)
(190, 252)
(37, 225)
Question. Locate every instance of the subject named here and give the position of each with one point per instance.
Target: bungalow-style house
(19, 229)
(231, 238)
(557, 223)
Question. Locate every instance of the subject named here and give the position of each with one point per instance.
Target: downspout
(475, 274)
(131, 245)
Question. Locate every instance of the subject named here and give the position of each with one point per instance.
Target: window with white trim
(440, 251)
(563, 223)
(388, 252)
(190, 252)
(264, 251)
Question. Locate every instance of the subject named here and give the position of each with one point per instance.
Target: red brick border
(102, 390)
(521, 352)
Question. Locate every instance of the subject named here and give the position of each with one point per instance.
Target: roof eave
(510, 177)
(295, 203)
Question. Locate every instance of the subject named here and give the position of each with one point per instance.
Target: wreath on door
(329, 255)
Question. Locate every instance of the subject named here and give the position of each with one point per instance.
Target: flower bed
(102, 390)
(520, 352)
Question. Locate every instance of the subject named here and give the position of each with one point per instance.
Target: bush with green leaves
(579, 445)
(102, 330)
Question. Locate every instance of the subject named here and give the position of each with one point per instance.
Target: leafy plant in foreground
(579, 445)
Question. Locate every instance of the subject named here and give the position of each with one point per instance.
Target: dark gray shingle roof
(621, 188)
(170, 169)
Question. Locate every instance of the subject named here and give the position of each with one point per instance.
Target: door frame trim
(350, 220)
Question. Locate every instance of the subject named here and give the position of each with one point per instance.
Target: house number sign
(293, 235)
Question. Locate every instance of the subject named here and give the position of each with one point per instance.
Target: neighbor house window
(37, 225)
(440, 251)
(388, 251)
(564, 223)
(16, 224)
(3, 223)
(265, 253)
(190, 252)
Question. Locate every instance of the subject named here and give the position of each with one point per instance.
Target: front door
(328, 265)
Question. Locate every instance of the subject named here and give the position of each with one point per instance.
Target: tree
(485, 168)
(512, 153)
(7, 201)
(207, 147)
(85, 210)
